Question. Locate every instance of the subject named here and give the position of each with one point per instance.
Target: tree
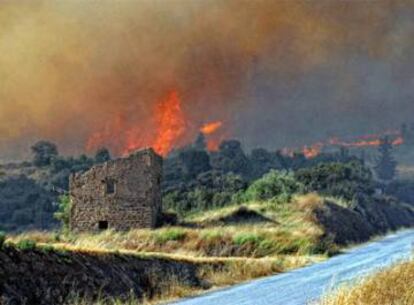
(200, 142)
(102, 155)
(386, 165)
(43, 153)
(262, 161)
(231, 158)
(193, 162)
(278, 186)
(343, 180)
(63, 212)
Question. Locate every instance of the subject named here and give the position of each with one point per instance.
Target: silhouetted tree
(102, 155)
(193, 162)
(231, 159)
(200, 142)
(43, 153)
(386, 165)
(262, 161)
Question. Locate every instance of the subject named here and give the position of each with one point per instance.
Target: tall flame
(171, 123)
(168, 131)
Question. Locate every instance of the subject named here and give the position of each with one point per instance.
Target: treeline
(29, 191)
(196, 179)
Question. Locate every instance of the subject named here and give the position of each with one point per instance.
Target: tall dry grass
(393, 286)
(224, 253)
(291, 230)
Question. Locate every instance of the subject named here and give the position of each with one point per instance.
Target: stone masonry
(120, 194)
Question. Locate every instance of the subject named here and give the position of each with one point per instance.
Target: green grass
(244, 238)
(171, 234)
(26, 244)
(291, 229)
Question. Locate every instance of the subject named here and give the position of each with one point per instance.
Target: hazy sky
(277, 73)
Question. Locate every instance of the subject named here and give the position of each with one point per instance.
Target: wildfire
(210, 128)
(374, 140)
(313, 150)
(122, 138)
(398, 141)
(171, 124)
(170, 129)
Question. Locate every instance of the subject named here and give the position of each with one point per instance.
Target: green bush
(342, 180)
(26, 244)
(276, 186)
(2, 238)
(247, 238)
(47, 249)
(167, 235)
(210, 190)
(211, 235)
(63, 212)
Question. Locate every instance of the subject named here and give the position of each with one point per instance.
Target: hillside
(228, 217)
(46, 276)
(207, 249)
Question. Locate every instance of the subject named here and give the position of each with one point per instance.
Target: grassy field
(250, 241)
(393, 286)
(254, 230)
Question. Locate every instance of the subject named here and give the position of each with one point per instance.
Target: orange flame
(398, 141)
(170, 122)
(170, 127)
(313, 150)
(210, 128)
(374, 140)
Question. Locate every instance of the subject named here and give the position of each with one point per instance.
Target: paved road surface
(309, 283)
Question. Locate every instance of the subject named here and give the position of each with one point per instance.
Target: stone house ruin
(120, 194)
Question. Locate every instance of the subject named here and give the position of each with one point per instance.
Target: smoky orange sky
(273, 72)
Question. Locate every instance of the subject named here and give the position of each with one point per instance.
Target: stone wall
(121, 194)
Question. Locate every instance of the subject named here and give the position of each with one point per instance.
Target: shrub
(276, 186)
(211, 235)
(343, 180)
(63, 212)
(211, 190)
(167, 235)
(26, 244)
(247, 238)
(47, 249)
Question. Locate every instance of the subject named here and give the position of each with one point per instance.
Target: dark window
(103, 225)
(110, 186)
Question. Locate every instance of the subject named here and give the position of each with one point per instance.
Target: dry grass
(229, 271)
(394, 286)
(292, 230)
(225, 254)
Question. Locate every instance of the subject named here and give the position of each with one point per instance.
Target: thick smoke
(275, 72)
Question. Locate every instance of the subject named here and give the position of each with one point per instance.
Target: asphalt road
(302, 286)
